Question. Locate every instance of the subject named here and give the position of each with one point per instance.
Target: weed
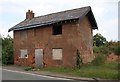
(28, 68)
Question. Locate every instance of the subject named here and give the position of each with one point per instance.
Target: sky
(105, 11)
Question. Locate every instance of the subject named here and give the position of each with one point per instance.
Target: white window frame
(23, 53)
(57, 53)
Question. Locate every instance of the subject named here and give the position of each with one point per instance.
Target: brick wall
(85, 40)
(75, 35)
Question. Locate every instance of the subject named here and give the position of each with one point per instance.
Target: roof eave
(92, 19)
(38, 25)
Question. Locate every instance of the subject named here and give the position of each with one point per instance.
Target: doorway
(39, 58)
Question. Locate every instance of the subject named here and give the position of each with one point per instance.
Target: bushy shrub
(99, 60)
(110, 47)
(101, 49)
(7, 51)
(117, 50)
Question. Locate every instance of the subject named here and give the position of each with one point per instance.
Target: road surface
(17, 75)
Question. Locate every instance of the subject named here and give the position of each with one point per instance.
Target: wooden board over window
(57, 54)
(23, 34)
(23, 53)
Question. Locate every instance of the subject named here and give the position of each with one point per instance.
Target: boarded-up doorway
(39, 57)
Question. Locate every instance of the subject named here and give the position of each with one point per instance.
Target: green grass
(28, 68)
(105, 71)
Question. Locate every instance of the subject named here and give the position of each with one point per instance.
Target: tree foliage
(117, 49)
(108, 48)
(7, 50)
(99, 40)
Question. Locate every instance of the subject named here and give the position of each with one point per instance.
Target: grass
(105, 71)
(28, 68)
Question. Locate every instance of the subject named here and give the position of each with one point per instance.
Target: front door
(39, 57)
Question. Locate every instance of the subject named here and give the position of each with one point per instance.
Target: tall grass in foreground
(105, 71)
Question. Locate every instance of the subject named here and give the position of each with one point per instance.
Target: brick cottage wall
(85, 40)
(75, 35)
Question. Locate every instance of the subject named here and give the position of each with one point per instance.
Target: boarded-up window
(23, 34)
(57, 54)
(23, 53)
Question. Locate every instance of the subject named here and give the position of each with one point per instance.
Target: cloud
(4, 32)
(107, 20)
(13, 12)
(109, 29)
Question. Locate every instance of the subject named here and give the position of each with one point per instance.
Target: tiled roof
(57, 17)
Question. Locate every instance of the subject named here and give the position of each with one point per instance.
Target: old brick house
(53, 39)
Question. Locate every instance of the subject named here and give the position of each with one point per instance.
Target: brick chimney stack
(29, 15)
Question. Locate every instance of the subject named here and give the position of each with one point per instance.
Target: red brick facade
(75, 35)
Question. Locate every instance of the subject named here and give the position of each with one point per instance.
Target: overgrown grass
(105, 71)
(98, 68)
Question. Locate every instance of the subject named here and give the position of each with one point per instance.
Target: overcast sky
(105, 11)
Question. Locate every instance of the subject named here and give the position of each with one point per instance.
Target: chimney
(29, 15)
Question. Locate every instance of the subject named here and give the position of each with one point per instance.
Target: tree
(99, 40)
(7, 50)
